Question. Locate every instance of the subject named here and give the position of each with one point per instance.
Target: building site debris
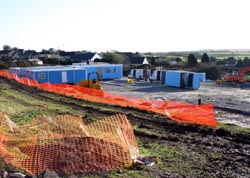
(66, 145)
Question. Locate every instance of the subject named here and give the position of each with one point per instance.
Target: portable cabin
(194, 79)
(175, 79)
(102, 71)
(202, 77)
(15, 70)
(139, 74)
(70, 73)
(183, 79)
(56, 76)
(158, 76)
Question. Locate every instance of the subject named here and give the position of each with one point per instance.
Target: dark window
(107, 71)
(115, 70)
(41, 75)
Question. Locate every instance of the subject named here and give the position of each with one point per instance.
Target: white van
(139, 74)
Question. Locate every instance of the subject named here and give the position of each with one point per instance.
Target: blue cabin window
(41, 75)
(107, 71)
(115, 70)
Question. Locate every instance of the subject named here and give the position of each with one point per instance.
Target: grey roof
(83, 56)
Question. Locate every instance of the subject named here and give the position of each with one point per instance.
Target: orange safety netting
(182, 112)
(66, 144)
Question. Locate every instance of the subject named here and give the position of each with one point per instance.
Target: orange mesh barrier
(66, 144)
(182, 112)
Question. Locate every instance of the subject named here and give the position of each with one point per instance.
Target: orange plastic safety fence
(182, 112)
(66, 144)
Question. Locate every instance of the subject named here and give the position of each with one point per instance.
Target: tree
(239, 63)
(51, 50)
(212, 73)
(204, 58)
(6, 48)
(178, 59)
(164, 64)
(246, 62)
(153, 62)
(192, 61)
(212, 59)
(114, 57)
(3, 65)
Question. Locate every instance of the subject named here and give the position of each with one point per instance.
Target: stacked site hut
(69, 74)
(180, 79)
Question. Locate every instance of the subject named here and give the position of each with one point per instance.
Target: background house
(29, 54)
(6, 53)
(231, 63)
(18, 54)
(84, 57)
(36, 61)
(138, 61)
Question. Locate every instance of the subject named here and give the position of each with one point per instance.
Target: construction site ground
(183, 150)
(231, 102)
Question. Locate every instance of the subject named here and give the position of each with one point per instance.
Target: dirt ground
(232, 103)
(183, 150)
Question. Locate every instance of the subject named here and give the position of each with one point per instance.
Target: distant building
(36, 61)
(29, 54)
(68, 55)
(231, 63)
(18, 54)
(137, 61)
(5, 53)
(84, 57)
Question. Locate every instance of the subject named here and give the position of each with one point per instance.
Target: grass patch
(21, 108)
(173, 159)
(234, 128)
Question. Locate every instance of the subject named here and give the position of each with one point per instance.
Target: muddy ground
(183, 150)
(232, 103)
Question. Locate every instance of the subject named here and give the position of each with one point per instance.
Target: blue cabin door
(64, 77)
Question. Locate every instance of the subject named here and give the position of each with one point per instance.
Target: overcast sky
(125, 25)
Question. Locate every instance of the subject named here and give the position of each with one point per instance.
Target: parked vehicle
(139, 74)
(237, 76)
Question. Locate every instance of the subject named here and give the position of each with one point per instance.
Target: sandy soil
(232, 103)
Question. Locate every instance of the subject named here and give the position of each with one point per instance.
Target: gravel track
(232, 104)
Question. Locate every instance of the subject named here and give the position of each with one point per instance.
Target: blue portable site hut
(183, 79)
(71, 73)
(194, 79)
(175, 78)
(102, 71)
(15, 70)
(59, 75)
